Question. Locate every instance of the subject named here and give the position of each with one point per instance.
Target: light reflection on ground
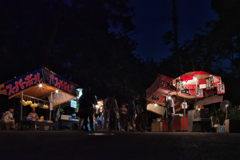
(100, 134)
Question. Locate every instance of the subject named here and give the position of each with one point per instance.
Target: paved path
(73, 145)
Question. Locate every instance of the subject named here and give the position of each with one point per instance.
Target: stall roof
(41, 84)
(207, 86)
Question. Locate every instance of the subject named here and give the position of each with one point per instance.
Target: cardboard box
(65, 117)
(157, 127)
(232, 126)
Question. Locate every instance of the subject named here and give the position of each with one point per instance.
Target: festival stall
(198, 85)
(40, 88)
(195, 88)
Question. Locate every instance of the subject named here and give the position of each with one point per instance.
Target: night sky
(154, 17)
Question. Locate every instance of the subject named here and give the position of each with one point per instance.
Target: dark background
(120, 46)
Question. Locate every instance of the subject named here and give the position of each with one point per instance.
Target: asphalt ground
(75, 145)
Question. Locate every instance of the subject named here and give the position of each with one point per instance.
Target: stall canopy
(41, 84)
(194, 87)
(198, 84)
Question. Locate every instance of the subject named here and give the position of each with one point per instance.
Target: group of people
(131, 116)
(8, 119)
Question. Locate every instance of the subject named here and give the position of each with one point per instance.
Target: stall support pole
(50, 110)
(21, 106)
(184, 118)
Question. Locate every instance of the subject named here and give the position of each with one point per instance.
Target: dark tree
(84, 41)
(215, 50)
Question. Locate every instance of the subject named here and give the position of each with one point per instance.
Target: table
(26, 125)
(179, 124)
(30, 125)
(52, 126)
(71, 123)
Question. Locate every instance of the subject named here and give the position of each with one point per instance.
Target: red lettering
(20, 84)
(10, 89)
(57, 83)
(29, 80)
(51, 79)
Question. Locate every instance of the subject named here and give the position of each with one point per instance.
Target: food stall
(40, 88)
(195, 88)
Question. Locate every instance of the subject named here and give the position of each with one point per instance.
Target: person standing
(112, 107)
(105, 114)
(123, 117)
(132, 114)
(171, 111)
(8, 119)
(87, 103)
(141, 119)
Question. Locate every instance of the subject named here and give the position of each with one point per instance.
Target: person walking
(81, 111)
(87, 103)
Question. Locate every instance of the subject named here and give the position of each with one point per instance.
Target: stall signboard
(23, 82)
(157, 98)
(220, 88)
(162, 81)
(58, 82)
(36, 77)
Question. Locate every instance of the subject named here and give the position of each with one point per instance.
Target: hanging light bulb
(40, 85)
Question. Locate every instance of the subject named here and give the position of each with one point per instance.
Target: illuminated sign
(23, 82)
(36, 77)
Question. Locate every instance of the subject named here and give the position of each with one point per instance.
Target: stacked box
(157, 127)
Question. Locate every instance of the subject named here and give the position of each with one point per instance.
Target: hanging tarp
(209, 100)
(41, 84)
(156, 109)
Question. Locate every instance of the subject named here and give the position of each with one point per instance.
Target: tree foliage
(84, 41)
(215, 49)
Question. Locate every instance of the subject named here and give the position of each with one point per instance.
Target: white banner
(156, 109)
(60, 97)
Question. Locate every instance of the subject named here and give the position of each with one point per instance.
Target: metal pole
(50, 108)
(21, 106)
(184, 119)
